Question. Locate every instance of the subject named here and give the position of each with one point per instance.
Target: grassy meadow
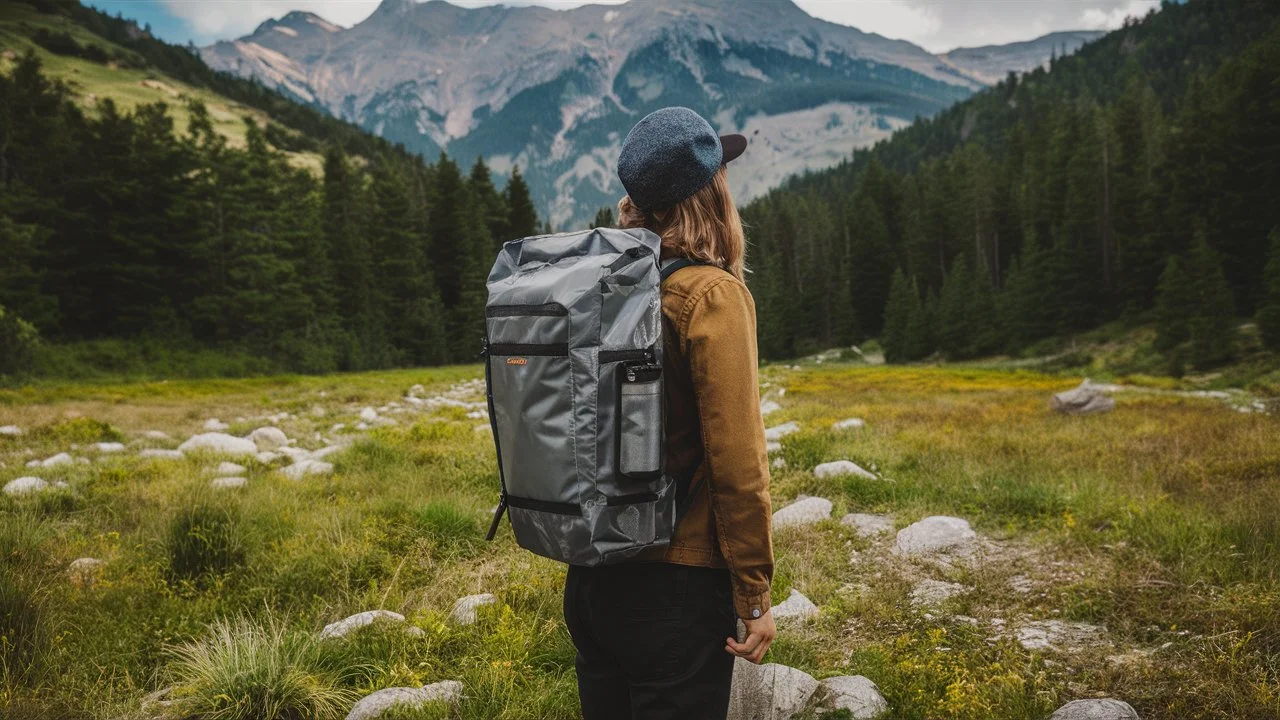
(1158, 522)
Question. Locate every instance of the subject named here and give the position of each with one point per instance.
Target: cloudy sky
(937, 25)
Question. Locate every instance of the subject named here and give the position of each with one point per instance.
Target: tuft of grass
(22, 539)
(25, 635)
(247, 670)
(204, 541)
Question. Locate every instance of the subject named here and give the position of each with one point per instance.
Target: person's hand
(760, 634)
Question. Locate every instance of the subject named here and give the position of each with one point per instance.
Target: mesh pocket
(640, 422)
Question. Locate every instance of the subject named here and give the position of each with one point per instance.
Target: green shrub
(448, 525)
(80, 431)
(18, 342)
(248, 671)
(203, 541)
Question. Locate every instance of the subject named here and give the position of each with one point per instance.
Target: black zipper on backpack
(640, 355)
(544, 310)
(486, 351)
(530, 349)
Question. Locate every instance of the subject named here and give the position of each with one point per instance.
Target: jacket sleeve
(720, 339)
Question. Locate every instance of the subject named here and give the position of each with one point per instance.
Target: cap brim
(734, 146)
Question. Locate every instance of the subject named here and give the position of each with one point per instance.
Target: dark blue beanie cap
(668, 156)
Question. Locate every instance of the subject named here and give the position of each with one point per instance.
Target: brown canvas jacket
(714, 425)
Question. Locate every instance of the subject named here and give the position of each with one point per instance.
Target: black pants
(650, 639)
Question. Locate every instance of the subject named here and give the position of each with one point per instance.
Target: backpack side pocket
(640, 431)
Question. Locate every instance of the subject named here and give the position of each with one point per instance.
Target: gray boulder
(849, 424)
(226, 469)
(1059, 635)
(842, 467)
(215, 425)
(464, 609)
(108, 447)
(350, 624)
(929, 593)
(1086, 399)
(268, 438)
(158, 454)
(796, 607)
(804, 511)
(374, 705)
(10, 431)
(868, 525)
(936, 534)
(228, 483)
(220, 443)
(24, 486)
(857, 694)
(780, 431)
(768, 407)
(302, 468)
(1103, 709)
(85, 571)
(768, 692)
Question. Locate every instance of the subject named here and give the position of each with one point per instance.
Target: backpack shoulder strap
(675, 265)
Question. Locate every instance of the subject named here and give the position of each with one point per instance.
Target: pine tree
(522, 217)
(1269, 312)
(897, 316)
(922, 328)
(492, 206)
(1213, 326)
(955, 322)
(604, 218)
(1174, 306)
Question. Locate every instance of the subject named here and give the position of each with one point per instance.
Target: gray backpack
(573, 367)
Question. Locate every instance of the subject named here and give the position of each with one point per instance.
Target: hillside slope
(1136, 179)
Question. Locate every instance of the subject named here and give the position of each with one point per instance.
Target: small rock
(368, 414)
(935, 535)
(417, 390)
(769, 691)
(85, 571)
(772, 446)
(1059, 635)
(362, 426)
(302, 468)
(842, 467)
(779, 463)
(768, 407)
(806, 511)
(59, 459)
(464, 609)
(24, 485)
(221, 443)
(930, 593)
(1102, 709)
(10, 430)
(1021, 584)
(155, 435)
(155, 453)
(795, 607)
(1086, 399)
(268, 438)
(109, 447)
(849, 424)
(352, 623)
(229, 469)
(317, 411)
(266, 458)
(858, 695)
(374, 705)
(227, 483)
(215, 425)
(325, 452)
(780, 431)
(868, 525)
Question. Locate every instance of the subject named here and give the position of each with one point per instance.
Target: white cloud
(1102, 19)
(891, 18)
(233, 18)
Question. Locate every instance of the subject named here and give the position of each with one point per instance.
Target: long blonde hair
(705, 226)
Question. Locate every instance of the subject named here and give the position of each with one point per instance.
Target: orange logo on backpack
(517, 361)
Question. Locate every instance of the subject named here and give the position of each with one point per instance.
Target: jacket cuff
(751, 607)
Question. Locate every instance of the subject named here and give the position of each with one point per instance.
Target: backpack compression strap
(684, 493)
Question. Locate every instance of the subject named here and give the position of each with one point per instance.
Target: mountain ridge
(553, 91)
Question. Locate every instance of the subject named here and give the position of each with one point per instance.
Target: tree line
(114, 224)
(1135, 180)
